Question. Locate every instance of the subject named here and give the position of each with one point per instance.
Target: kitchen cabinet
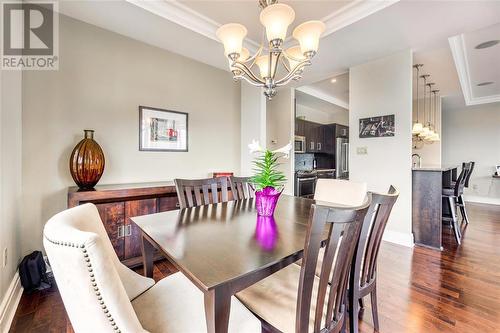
(341, 131)
(300, 125)
(312, 136)
(320, 138)
(329, 139)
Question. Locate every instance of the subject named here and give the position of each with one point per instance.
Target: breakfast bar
(427, 209)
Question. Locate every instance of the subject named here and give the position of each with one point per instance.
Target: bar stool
(453, 194)
(461, 201)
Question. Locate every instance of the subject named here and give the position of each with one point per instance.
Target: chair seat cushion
(134, 283)
(274, 299)
(176, 305)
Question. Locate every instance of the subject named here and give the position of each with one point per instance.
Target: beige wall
(280, 130)
(377, 88)
(472, 133)
(102, 79)
(10, 179)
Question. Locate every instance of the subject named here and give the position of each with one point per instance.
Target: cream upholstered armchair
(100, 294)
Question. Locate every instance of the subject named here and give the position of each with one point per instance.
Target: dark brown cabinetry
(341, 131)
(113, 217)
(132, 233)
(118, 203)
(320, 138)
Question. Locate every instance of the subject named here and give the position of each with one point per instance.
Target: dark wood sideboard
(118, 203)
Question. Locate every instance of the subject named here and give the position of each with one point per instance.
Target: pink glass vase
(266, 200)
(266, 232)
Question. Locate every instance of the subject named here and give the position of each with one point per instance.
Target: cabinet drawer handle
(319, 145)
(128, 230)
(177, 205)
(121, 231)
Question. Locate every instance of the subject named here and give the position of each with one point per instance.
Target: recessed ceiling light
(333, 80)
(484, 83)
(487, 44)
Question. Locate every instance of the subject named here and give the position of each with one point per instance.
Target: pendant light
(435, 137)
(417, 127)
(429, 123)
(425, 129)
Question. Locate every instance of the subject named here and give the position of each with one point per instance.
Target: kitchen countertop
(435, 168)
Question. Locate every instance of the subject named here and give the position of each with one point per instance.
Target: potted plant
(267, 180)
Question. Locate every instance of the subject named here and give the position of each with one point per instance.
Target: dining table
(226, 247)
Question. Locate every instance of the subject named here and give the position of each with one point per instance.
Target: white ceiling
(338, 90)
(318, 104)
(357, 31)
(476, 66)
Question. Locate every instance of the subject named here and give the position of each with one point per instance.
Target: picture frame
(162, 130)
(377, 127)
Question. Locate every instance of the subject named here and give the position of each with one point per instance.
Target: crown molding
(353, 12)
(186, 17)
(459, 53)
(321, 95)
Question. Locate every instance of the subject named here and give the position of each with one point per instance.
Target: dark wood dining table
(224, 248)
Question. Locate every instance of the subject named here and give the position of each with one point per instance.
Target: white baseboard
(399, 238)
(483, 200)
(9, 303)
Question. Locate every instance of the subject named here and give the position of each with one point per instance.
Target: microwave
(300, 144)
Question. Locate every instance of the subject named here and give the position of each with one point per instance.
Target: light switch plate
(362, 150)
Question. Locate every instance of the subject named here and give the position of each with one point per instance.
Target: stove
(305, 181)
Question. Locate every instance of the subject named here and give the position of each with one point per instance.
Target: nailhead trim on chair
(92, 279)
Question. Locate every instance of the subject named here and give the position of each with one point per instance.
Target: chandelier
(276, 18)
(425, 132)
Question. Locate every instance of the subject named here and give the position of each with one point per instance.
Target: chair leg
(453, 209)
(373, 299)
(463, 210)
(353, 310)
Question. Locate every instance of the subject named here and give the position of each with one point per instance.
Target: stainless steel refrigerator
(342, 158)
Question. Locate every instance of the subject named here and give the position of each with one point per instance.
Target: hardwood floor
(419, 290)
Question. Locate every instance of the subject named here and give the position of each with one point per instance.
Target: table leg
(148, 251)
(217, 308)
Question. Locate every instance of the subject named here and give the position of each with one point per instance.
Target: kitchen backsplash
(304, 162)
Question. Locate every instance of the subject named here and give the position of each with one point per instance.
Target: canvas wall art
(376, 127)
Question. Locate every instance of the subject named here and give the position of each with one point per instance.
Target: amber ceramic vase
(87, 162)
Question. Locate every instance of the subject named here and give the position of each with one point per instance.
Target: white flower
(255, 147)
(284, 150)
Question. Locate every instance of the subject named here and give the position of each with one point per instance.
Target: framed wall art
(162, 130)
(376, 127)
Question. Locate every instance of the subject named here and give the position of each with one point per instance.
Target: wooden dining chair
(363, 277)
(294, 299)
(241, 188)
(197, 192)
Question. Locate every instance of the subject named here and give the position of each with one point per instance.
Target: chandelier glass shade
(262, 68)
